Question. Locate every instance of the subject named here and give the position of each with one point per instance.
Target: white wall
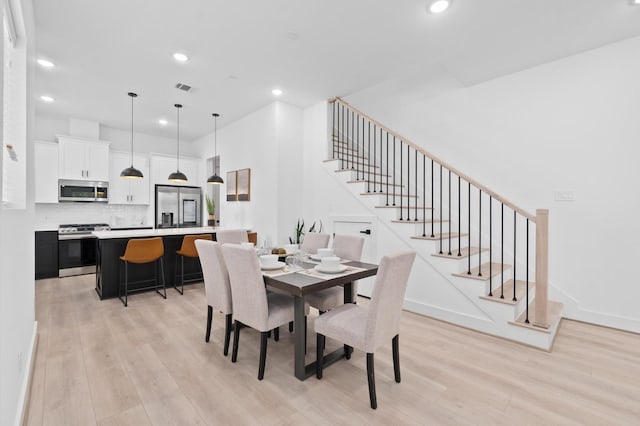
(17, 318)
(567, 125)
(269, 142)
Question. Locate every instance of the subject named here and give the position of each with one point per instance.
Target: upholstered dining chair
(216, 286)
(253, 306)
(313, 241)
(368, 328)
(234, 236)
(345, 247)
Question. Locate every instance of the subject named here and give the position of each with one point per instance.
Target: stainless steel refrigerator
(178, 206)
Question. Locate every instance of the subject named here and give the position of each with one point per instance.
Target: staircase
(491, 251)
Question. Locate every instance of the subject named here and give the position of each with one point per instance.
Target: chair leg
(263, 354)
(290, 326)
(372, 381)
(209, 319)
(319, 355)
(347, 351)
(126, 284)
(396, 357)
(236, 337)
(227, 333)
(164, 285)
(276, 334)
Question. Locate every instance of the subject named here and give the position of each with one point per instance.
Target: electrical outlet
(565, 196)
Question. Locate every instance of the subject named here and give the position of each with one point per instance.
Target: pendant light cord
(132, 131)
(178, 136)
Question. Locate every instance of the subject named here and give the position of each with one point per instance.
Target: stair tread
(464, 253)
(554, 313)
(352, 162)
(388, 193)
(404, 207)
(419, 221)
(521, 287)
(376, 182)
(368, 173)
(437, 236)
(484, 269)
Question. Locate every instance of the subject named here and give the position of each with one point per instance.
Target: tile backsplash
(52, 215)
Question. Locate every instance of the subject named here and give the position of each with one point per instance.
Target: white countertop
(137, 233)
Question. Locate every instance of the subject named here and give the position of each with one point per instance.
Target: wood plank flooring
(99, 363)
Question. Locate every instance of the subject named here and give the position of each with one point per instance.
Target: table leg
(348, 298)
(298, 336)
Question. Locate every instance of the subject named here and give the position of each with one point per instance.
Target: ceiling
(313, 50)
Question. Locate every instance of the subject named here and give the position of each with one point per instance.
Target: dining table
(306, 280)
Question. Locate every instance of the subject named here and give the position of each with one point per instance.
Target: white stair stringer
(470, 309)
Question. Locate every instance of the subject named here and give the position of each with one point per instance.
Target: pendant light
(215, 179)
(131, 172)
(178, 176)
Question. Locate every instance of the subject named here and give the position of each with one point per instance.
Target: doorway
(364, 227)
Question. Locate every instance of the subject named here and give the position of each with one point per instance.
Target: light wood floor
(99, 363)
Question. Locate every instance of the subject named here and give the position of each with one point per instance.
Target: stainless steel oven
(77, 249)
(85, 191)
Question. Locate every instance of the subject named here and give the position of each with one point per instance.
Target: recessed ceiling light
(46, 64)
(47, 98)
(635, 2)
(276, 92)
(163, 122)
(180, 57)
(439, 6)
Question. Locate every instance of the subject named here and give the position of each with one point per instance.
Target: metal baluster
(424, 195)
(502, 251)
(387, 204)
(401, 180)
(341, 151)
(514, 256)
(352, 140)
(479, 235)
(526, 320)
(449, 224)
(490, 246)
(415, 190)
(346, 141)
(333, 129)
(408, 182)
(357, 146)
(440, 252)
(387, 191)
(469, 228)
(432, 196)
(459, 219)
(369, 162)
(374, 157)
(394, 170)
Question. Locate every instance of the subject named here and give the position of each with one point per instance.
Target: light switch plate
(565, 196)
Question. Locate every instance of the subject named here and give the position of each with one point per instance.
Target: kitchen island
(112, 244)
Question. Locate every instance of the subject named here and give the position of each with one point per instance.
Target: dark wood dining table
(299, 284)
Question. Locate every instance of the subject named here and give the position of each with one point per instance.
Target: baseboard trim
(25, 391)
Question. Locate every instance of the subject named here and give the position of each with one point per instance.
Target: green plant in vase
(299, 233)
(211, 211)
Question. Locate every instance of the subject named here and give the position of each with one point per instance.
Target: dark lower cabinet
(46, 254)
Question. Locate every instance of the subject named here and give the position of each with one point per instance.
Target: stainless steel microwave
(80, 190)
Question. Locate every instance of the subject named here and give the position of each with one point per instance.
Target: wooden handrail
(418, 148)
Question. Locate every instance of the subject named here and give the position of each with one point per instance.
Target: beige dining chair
(234, 236)
(368, 328)
(216, 286)
(313, 241)
(345, 247)
(253, 306)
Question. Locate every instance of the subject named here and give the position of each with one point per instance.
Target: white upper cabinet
(162, 166)
(128, 191)
(82, 159)
(46, 172)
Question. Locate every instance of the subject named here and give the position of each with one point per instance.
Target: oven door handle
(66, 237)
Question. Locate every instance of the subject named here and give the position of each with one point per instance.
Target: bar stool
(188, 249)
(143, 251)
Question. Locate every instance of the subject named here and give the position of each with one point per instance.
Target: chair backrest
(234, 236)
(188, 248)
(313, 241)
(216, 276)
(348, 246)
(383, 321)
(247, 286)
(143, 250)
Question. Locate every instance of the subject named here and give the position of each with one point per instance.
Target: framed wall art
(244, 185)
(232, 186)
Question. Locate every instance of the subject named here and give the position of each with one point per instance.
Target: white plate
(340, 268)
(317, 258)
(277, 265)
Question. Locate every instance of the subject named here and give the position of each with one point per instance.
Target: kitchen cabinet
(162, 166)
(82, 159)
(128, 191)
(46, 172)
(46, 254)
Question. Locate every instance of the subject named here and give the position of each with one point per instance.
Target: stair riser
(353, 175)
(462, 264)
(362, 186)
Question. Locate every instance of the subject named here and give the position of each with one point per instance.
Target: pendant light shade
(131, 172)
(178, 176)
(215, 179)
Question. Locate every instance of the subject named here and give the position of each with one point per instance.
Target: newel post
(542, 268)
